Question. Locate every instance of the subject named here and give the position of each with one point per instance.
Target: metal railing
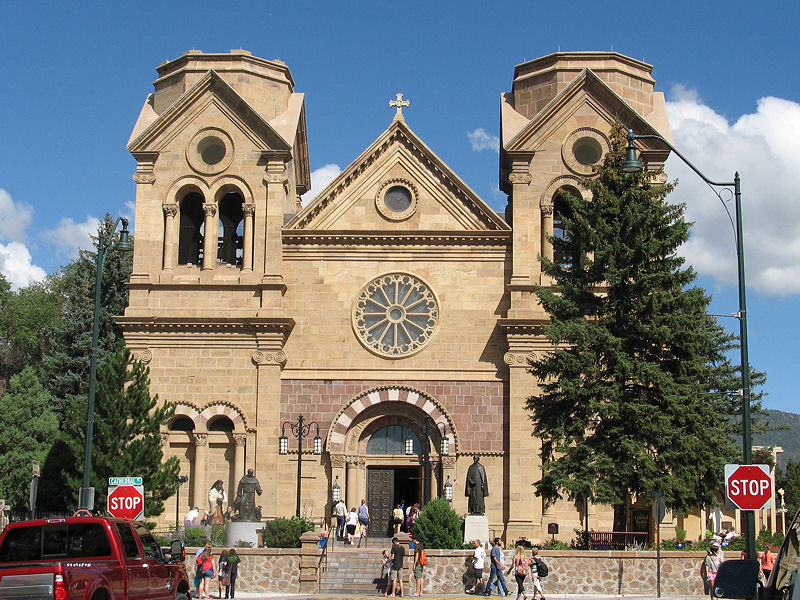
(617, 540)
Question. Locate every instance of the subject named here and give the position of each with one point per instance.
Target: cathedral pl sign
(749, 487)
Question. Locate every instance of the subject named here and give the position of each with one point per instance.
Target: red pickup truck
(88, 558)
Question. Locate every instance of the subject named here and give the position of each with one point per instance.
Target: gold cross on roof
(399, 103)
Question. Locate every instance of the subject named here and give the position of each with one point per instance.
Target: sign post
(659, 510)
(126, 497)
(748, 487)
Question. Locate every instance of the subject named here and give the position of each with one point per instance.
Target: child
(386, 570)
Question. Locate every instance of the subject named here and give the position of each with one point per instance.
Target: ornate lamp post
(181, 480)
(299, 429)
(103, 246)
(633, 165)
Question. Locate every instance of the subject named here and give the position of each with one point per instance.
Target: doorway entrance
(386, 488)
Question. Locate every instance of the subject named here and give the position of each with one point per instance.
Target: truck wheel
(181, 596)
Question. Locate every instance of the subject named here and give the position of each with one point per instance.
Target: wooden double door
(386, 488)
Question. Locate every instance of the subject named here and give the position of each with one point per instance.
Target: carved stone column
(240, 439)
(210, 236)
(356, 481)
(339, 475)
(199, 489)
(247, 254)
(547, 230)
(170, 210)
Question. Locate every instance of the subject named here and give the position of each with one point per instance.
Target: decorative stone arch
(223, 408)
(235, 220)
(172, 205)
(547, 205)
(229, 183)
(336, 439)
(191, 411)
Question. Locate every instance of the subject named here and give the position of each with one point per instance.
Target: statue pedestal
(246, 531)
(476, 527)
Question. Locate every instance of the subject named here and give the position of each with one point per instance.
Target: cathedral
(369, 344)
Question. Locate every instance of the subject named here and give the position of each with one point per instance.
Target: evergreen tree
(27, 431)
(635, 393)
(438, 525)
(127, 440)
(66, 367)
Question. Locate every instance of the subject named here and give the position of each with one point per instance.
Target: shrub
(438, 526)
(285, 533)
(553, 545)
(194, 536)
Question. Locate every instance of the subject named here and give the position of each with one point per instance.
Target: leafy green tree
(438, 525)
(126, 440)
(27, 431)
(636, 392)
(66, 366)
(789, 481)
(28, 318)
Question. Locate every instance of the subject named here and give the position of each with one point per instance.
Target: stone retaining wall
(595, 572)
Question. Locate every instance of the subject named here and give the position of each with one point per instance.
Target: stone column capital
(249, 209)
(170, 209)
(210, 209)
(200, 439)
(240, 439)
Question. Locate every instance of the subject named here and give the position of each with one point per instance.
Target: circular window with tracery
(395, 315)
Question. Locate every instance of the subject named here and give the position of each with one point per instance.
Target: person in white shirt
(190, 520)
(340, 510)
(478, 563)
(352, 523)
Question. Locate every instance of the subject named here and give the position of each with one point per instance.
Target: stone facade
(396, 305)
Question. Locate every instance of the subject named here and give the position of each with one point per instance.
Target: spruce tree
(127, 440)
(635, 393)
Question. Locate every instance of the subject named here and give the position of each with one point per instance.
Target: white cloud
(320, 178)
(763, 147)
(482, 140)
(15, 264)
(70, 237)
(15, 217)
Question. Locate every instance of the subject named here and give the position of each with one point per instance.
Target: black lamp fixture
(86, 499)
(632, 164)
(300, 429)
(444, 450)
(336, 491)
(448, 490)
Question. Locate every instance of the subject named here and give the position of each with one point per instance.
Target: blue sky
(76, 75)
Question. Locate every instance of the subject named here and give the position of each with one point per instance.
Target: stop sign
(749, 487)
(126, 502)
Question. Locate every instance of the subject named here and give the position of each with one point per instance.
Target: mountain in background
(787, 438)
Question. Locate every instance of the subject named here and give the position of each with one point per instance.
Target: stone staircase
(354, 571)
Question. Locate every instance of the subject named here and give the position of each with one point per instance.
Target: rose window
(395, 315)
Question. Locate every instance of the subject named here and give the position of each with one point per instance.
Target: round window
(395, 315)
(587, 151)
(211, 149)
(397, 198)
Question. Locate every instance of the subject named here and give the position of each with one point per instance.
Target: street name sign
(748, 487)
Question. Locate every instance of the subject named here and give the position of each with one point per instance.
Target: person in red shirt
(205, 563)
(767, 562)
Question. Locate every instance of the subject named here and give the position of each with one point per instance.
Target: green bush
(285, 533)
(438, 526)
(553, 545)
(194, 536)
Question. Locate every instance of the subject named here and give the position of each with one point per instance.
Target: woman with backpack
(420, 560)
(521, 566)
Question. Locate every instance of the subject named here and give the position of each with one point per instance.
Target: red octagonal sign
(749, 487)
(126, 502)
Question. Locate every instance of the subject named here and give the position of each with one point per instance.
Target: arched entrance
(386, 446)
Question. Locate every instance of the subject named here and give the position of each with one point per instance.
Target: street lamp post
(299, 429)
(181, 480)
(633, 165)
(103, 246)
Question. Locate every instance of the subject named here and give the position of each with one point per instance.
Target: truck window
(151, 548)
(55, 540)
(128, 541)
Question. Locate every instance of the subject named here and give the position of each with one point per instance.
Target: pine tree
(27, 431)
(635, 394)
(788, 480)
(127, 440)
(438, 525)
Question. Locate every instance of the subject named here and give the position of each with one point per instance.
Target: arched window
(231, 229)
(392, 440)
(221, 424)
(190, 237)
(182, 424)
(561, 210)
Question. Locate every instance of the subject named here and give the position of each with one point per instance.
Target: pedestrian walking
(222, 572)
(767, 559)
(478, 560)
(206, 563)
(497, 568)
(521, 566)
(340, 510)
(386, 570)
(352, 523)
(397, 518)
(537, 572)
(711, 565)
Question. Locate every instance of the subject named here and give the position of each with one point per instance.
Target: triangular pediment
(354, 201)
(153, 132)
(587, 94)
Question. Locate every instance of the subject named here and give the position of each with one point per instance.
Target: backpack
(423, 558)
(521, 567)
(541, 568)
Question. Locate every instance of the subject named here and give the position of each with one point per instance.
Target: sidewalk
(256, 596)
